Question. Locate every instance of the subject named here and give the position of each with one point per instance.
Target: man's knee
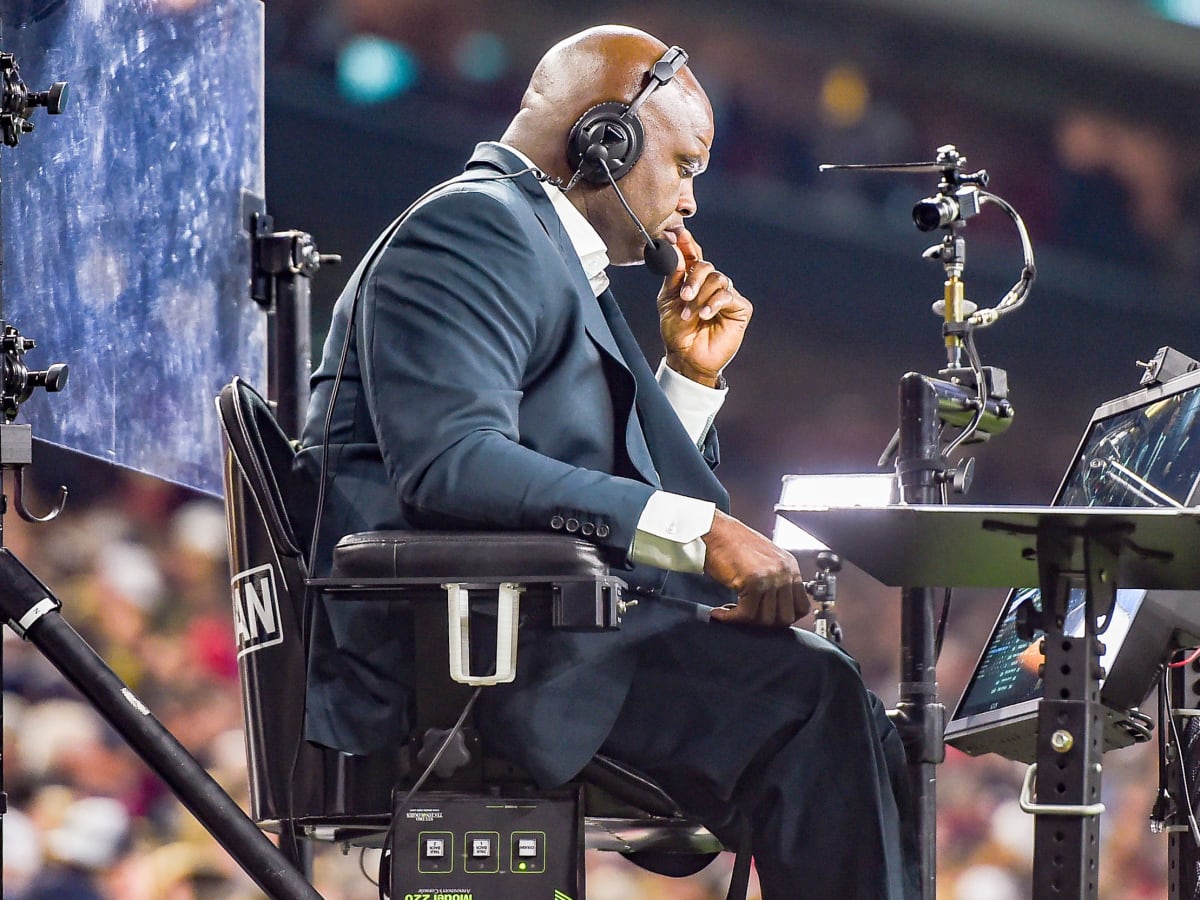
(828, 662)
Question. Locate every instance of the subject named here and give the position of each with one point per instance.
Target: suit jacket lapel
(686, 471)
(497, 157)
(631, 358)
(678, 465)
(595, 323)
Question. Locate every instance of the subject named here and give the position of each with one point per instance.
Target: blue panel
(126, 254)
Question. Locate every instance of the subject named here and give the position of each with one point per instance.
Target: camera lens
(935, 212)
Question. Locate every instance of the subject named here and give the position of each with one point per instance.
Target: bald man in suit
(491, 382)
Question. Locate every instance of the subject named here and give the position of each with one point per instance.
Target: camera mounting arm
(971, 397)
(284, 263)
(17, 102)
(958, 198)
(17, 384)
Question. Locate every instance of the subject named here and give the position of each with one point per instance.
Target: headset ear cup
(605, 137)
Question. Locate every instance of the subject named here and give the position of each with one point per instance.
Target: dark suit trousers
(775, 728)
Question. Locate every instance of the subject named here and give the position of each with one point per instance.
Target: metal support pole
(32, 611)
(284, 263)
(290, 360)
(1066, 860)
(919, 717)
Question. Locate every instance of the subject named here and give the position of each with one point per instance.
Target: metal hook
(19, 500)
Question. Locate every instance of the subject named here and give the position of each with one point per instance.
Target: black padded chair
(318, 793)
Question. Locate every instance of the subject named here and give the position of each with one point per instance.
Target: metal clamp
(1029, 805)
(32, 615)
(458, 611)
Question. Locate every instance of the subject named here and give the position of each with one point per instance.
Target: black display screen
(1007, 671)
(1143, 455)
(1146, 456)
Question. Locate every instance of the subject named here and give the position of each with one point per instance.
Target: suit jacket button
(587, 529)
(556, 523)
(572, 525)
(601, 531)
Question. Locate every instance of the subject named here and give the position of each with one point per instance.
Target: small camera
(943, 209)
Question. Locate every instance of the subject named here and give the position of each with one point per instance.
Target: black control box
(450, 846)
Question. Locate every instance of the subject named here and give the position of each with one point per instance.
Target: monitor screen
(1007, 671)
(1148, 455)
(1138, 450)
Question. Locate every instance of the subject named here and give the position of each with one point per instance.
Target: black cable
(399, 808)
(1018, 293)
(940, 634)
(1193, 828)
(362, 866)
(981, 397)
(980, 392)
(1164, 803)
(291, 793)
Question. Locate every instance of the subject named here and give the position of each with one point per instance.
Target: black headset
(608, 139)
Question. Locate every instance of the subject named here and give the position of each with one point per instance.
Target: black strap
(739, 882)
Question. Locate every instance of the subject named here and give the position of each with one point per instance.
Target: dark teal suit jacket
(486, 387)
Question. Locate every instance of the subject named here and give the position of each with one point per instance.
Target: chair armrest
(465, 555)
(565, 582)
(537, 579)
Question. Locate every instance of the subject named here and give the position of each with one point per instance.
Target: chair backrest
(290, 779)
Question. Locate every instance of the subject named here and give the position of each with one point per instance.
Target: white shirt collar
(588, 245)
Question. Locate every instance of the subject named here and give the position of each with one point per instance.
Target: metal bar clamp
(458, 611)
(1031, 806)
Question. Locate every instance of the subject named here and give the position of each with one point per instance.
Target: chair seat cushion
(461, 555)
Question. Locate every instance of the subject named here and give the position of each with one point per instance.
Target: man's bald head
(600, 64)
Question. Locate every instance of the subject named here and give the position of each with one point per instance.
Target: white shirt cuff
(670, 532)
(695, 404)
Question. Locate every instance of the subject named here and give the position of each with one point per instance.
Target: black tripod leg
(32, 610)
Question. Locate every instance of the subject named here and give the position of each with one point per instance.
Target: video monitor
(1139, 450)
(124, 223)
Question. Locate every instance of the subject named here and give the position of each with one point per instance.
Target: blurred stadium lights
(481, 56)
(1119, 32)
(845, 95)
(1186, 12)
(372, 69)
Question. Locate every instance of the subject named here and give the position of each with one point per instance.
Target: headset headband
(660, 73)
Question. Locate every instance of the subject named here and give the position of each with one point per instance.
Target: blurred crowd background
(1082, 111)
